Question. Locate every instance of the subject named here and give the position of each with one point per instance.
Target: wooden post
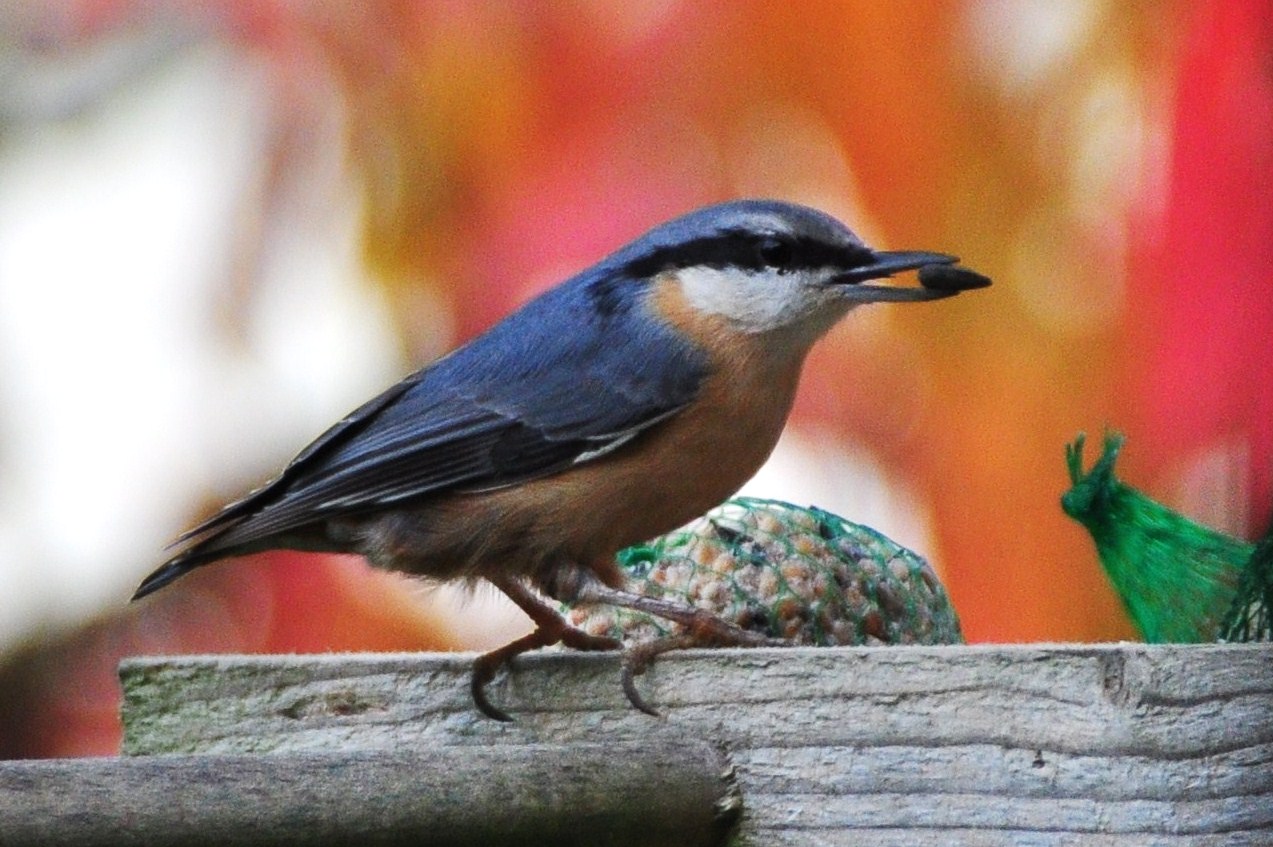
(1120, 744)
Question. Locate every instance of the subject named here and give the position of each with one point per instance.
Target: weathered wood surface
(621, 795)
(1121, 744)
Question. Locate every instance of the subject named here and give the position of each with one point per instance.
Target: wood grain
(1121, 744)
(625, 795)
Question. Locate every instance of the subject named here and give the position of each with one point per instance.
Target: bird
(610, 409)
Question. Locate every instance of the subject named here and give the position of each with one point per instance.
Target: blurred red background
(1107, 164)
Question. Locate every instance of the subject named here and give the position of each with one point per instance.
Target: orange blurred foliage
(1106, 164)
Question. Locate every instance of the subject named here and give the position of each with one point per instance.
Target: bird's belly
(671, 475)
(582, 516)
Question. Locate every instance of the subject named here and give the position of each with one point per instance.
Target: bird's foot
(702, 629)
(549, 629)
(637, 659)
(488, 664)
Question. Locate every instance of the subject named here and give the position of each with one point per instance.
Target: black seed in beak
(951, 278)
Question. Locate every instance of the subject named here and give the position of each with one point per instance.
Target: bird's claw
(637, 659)
(477, 688)
(488, 664)
(700, 629)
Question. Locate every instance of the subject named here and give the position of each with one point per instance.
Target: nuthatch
(615, 407)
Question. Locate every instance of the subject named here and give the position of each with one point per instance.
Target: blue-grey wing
(557, 383)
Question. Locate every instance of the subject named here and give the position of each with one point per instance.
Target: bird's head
(765, 265)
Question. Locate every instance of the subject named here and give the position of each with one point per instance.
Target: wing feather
(533, 396)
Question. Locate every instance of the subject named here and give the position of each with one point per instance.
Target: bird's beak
(884, 264)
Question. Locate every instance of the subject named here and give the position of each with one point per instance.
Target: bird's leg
(703, 629)
(550, 629)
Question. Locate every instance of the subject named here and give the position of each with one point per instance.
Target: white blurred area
(134, 386)
(806, 470)
(171, 332)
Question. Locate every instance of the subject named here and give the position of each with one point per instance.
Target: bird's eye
(775, 253)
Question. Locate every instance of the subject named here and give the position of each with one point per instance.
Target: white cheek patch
(755, 301)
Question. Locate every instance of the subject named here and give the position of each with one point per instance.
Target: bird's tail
(173, 569)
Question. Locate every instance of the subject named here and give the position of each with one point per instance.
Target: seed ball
(777, 569)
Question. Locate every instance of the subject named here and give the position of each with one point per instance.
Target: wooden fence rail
(644, 795)
(1114, 745)
(1120, 745)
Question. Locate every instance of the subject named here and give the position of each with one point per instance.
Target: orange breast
(666, 476)
(678, 469)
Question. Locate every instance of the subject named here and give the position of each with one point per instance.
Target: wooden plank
(583, 794)
(1123, 744)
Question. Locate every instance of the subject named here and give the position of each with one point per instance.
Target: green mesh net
(804, 575)
(1250, 618)
(1177, 578)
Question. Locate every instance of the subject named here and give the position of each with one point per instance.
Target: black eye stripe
(746, 251)
(776, 252)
